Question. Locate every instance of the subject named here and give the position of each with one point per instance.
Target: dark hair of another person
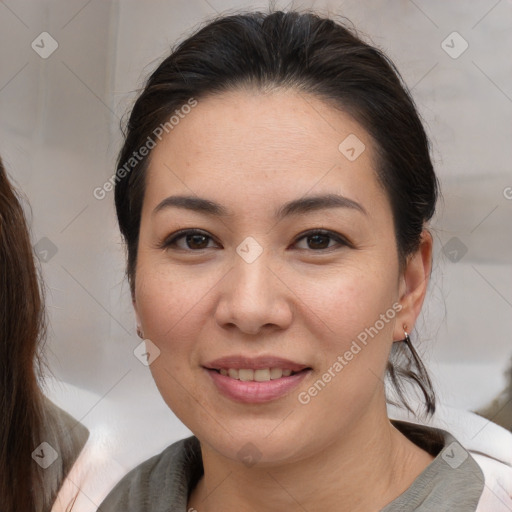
(27, 416)
(22, 325)
(315, 56)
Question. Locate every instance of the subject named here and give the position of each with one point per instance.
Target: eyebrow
(296, 207)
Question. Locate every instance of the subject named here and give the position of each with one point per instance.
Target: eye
(193, 239)
(319, 240)
(196, 240)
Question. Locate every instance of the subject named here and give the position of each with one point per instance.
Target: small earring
(407, 339)
(139, 333)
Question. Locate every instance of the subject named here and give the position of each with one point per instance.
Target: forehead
(284, 141)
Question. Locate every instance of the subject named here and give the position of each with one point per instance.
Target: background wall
(59, 134)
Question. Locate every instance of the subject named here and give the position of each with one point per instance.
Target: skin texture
(251, 152)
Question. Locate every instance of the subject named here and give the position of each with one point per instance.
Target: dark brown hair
(22, 326)
(314, 55)
(28, 417)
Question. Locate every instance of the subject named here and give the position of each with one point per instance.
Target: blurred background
(70, 70)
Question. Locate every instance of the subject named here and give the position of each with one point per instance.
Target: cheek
(170, 303)
(353, 325)
(353, 334)
(171, 313)
(163, 313)
(346, 301)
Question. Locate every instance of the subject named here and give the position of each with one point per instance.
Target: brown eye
(194, 240)
(319, 240)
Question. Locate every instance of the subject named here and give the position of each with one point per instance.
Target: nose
(254, 299)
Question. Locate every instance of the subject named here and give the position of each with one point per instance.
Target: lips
(254, 363)
(255, 380)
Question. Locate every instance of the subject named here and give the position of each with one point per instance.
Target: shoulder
(63, 430)
(452, 481)
(159, 482)
(488, 445)
(93, 475)
(61, 440)
(497, 493)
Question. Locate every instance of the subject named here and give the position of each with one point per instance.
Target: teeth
(276, 373)
(260, 375)
(246, 374)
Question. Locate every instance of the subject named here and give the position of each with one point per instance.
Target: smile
(260, 375)
(269, 379)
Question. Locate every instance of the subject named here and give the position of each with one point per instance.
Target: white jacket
(489, 444)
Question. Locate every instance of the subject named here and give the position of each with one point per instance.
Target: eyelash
(170, 241)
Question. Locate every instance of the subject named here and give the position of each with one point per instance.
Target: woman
(274, 191)
(39, 442)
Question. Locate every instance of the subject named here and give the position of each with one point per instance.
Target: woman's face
(255, 290)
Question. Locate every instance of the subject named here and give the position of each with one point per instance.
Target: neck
(364, 469)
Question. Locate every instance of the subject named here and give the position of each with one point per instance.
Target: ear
(413, 285)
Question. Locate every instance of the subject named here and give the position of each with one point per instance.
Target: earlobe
(413, 287)
(140, 333)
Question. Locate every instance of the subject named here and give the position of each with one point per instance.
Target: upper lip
(254, 363)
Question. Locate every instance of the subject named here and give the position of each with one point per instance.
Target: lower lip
(252, 392)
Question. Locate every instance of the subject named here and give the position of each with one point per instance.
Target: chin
(254, 445)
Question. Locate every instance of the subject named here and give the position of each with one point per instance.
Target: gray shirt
(453, 481)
